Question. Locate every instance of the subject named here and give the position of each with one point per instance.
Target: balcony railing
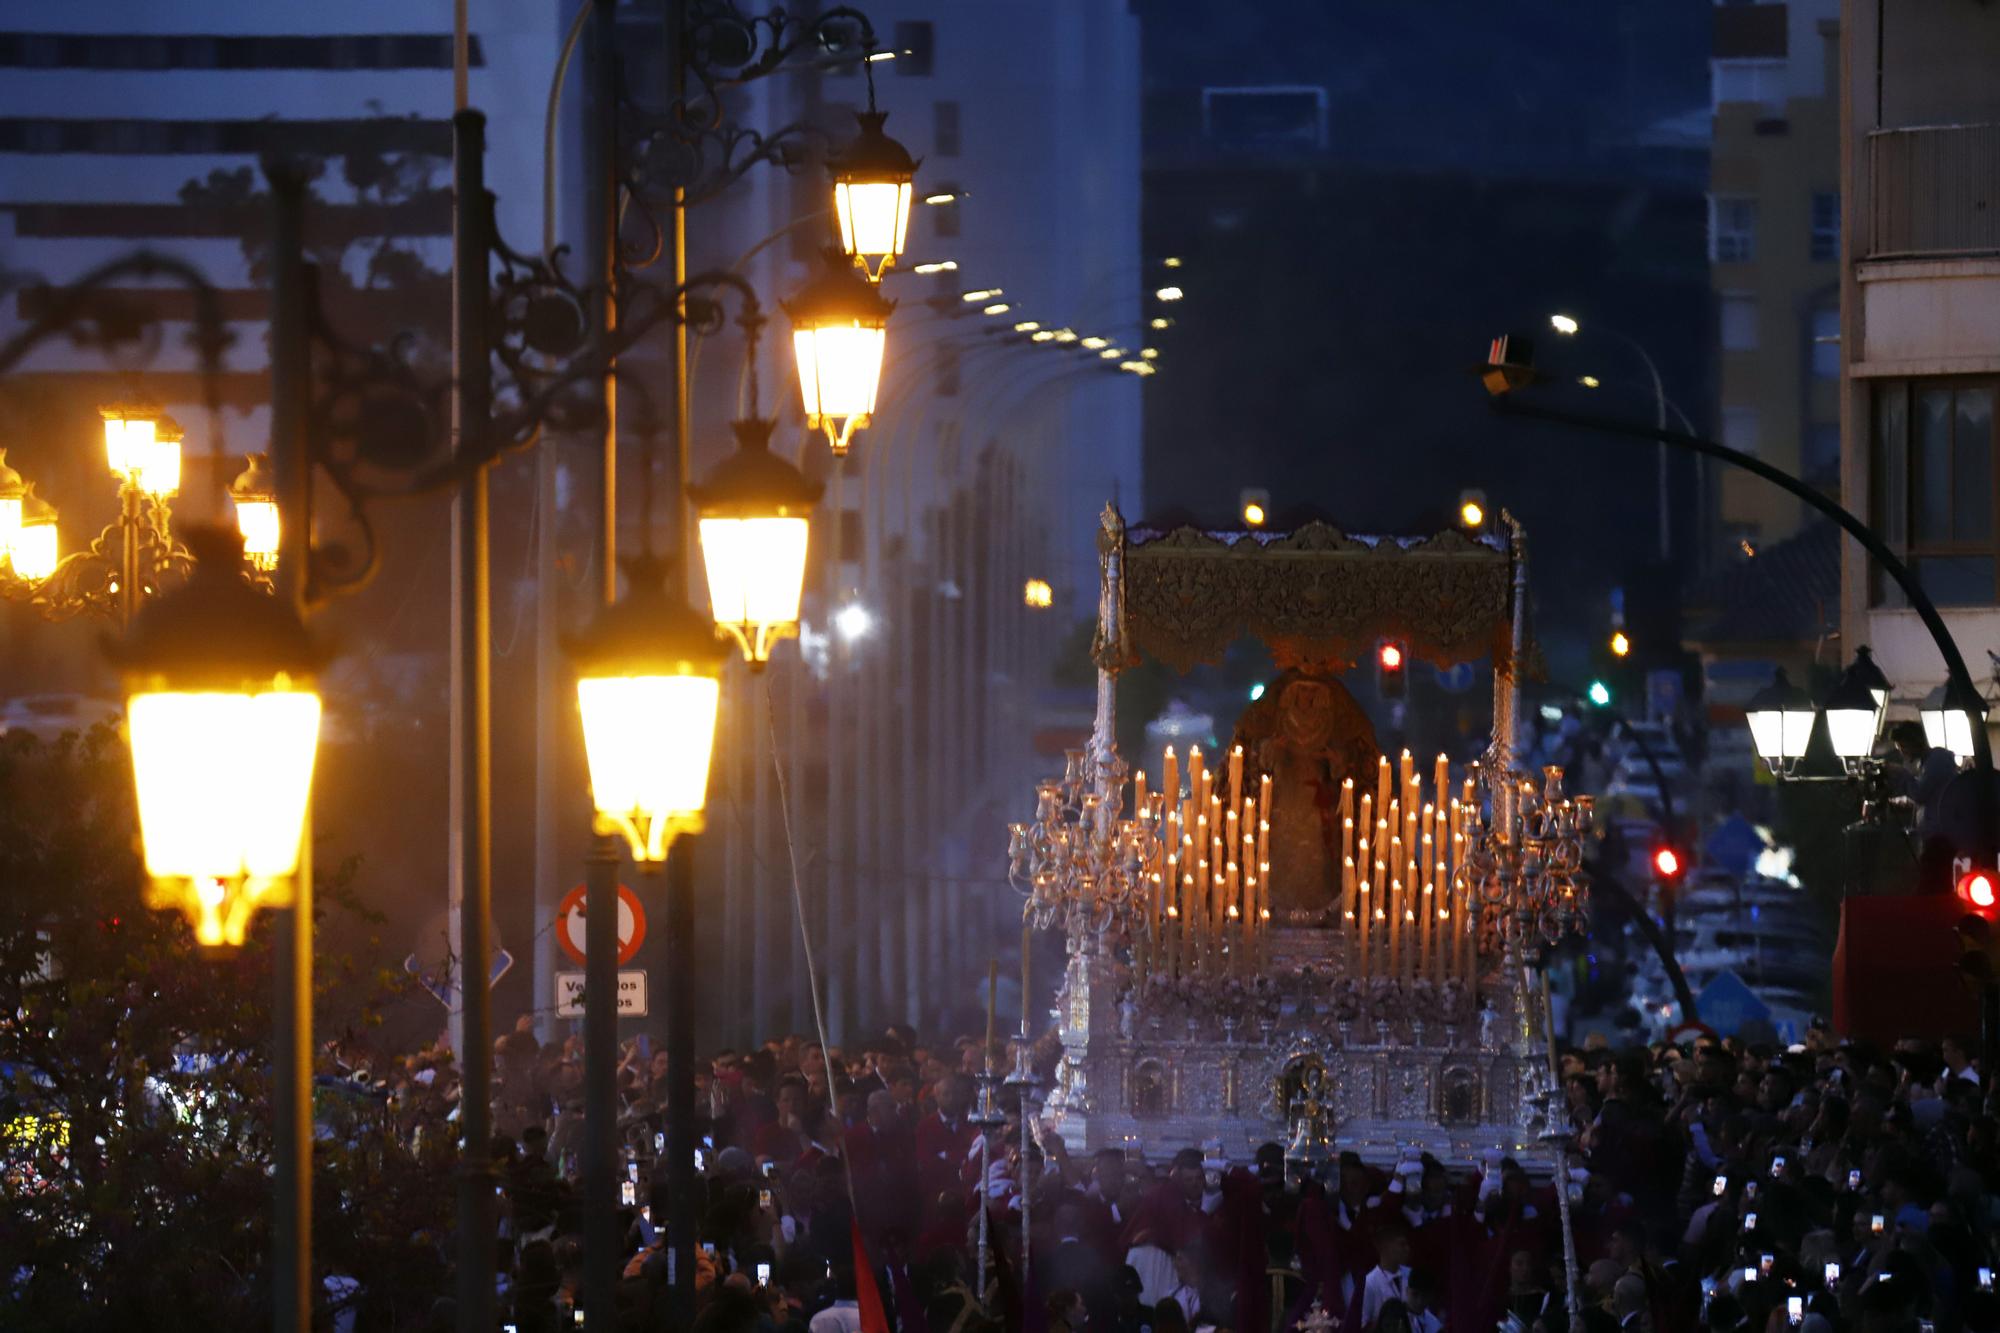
(1936, 191)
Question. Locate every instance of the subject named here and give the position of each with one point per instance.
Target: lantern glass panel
(874, 216)
(257, 520)
(128, 441)
(756, 568)
(840, 366)
(647, 740)
(223, 780)
(34, 551)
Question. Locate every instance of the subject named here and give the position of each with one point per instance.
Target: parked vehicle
(47, 716)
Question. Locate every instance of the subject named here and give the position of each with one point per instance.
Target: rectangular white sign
(631, 994)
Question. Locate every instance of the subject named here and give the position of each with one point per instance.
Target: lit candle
(1139, 794)
(1235, 774)
(1382, 782)
(1395, 968)
(1443, 777)
(1367, 916)
(1170, 781)
(1347, 870)
(1406, 767)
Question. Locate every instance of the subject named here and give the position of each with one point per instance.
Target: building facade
(1920, 324)
(1774, 250)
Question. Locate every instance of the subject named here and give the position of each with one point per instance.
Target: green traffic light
(1256, 691)
(1599, 694)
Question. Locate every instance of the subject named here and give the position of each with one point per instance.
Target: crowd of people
(1828, 1186)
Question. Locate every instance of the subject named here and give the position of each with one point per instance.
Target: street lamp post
(648, 688)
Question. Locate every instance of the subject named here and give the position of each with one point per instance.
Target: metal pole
(600, 984)
(472, 626)
(600, 1091)
(131, 506)
(291, 968)
(683, 1205)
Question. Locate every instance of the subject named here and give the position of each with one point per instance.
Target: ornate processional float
(1303, 939)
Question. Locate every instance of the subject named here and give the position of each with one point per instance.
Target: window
(1748, 80)
(916, 48)
(944, 129)
(1739, 321)
(1825, 226)
(1825, 354)
(1931, 491)
(1732, 228)
(1739, 428)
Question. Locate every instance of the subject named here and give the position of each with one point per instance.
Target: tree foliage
(136, 1111)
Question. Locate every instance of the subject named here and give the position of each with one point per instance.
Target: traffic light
(1668, 865)
(1979, 890)
(1392, 669)
(1599, 694)
(1621, 646)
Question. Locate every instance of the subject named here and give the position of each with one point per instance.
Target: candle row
(1403, 894)
(1209, 871)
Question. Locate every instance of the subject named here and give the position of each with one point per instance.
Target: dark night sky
(1486, 164)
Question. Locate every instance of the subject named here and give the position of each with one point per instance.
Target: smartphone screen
(1854, 1179)
(1750, 1190)
(1777, 1167)
(700, 1160)
(708, 1248)
(1749, 1275)
(770, 1169)
(631, 1170)
(1832, 1274)
(764, 1199)
(628, 1193)
(763, 1275)
(1721, 1185)
(659, 1143)
(1764, 1262)
(1875, 1224)
(1986, 1279)
(1795, 1309)
(1749, 1221)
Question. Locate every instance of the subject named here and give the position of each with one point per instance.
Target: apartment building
(1774, 252)
(1920, 324)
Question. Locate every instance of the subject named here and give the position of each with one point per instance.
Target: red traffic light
(1667, 863)
(1392, 657)
(1979, 889)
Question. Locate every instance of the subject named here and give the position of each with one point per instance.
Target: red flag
(874, 1318)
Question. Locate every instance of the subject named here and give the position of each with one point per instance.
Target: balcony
(1936, 191)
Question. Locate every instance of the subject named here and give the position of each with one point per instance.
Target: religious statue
(1309, 735)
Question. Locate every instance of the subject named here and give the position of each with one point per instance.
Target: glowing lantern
(648, 686)
(839, 335)
(33, 552)
(1781, 722)
(754, 511)
(224, 723)
(871, 196)
(256, 513)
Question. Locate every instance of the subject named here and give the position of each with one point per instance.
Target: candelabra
(1026, 1085)
(1081, 862)
(1526, 860)
(988, 1117)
